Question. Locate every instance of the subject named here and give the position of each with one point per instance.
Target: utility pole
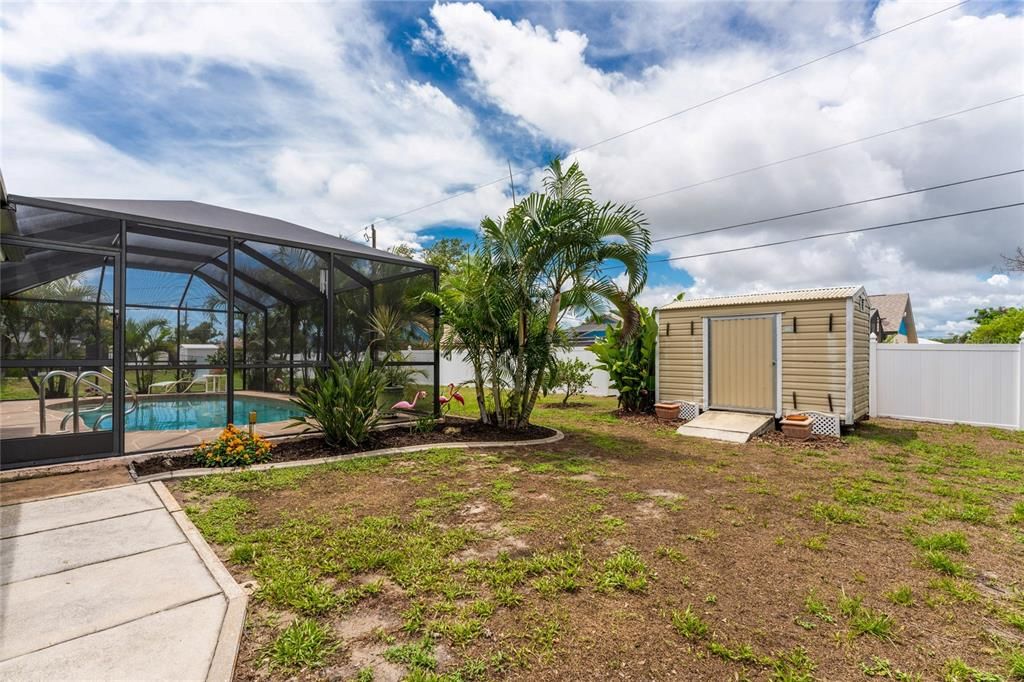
(373, 235)
(511, 182)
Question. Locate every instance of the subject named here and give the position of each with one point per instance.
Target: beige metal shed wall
(861, 355)
(813, 359)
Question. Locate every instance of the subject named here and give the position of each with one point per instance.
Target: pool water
(198, 412)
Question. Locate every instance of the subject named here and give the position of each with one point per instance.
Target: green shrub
(629, 361)
(573, 376)
(233, 447)
(341, 401)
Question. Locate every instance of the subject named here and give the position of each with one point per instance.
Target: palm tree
(548, 256)
(475, 323)
(67, 324)
(143, 340)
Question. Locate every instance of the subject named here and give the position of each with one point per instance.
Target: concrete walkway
(113, 584)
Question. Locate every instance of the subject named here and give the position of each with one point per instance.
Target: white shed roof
(767, 297)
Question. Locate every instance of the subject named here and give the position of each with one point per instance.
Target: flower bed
(234, 447)
(451, 431)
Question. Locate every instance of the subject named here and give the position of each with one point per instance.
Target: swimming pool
(198, 412)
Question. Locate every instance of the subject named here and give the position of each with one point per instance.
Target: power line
(827, 149)
(838, 233)
(360, 231)
(778, 74)
(685, 110)
(835, 206)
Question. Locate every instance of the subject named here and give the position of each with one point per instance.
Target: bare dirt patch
(682, 559)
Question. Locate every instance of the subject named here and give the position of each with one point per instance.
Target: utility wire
(688, 109)
(835, 206)
(778, 74)
(827, 149)
(838, 233)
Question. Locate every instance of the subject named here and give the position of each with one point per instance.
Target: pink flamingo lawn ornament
(406, 405)
(453, 394)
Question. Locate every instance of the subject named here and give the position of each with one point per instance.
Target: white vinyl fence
(458, 370)
(981, 384)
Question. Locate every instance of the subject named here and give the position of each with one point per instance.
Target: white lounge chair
(200, 376)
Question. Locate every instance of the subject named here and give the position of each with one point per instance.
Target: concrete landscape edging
(222, 665)
(192, 473)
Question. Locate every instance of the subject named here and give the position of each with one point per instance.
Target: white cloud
(938, 66)
(340, 134)
(336, 133)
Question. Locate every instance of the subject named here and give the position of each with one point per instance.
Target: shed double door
(741, 363)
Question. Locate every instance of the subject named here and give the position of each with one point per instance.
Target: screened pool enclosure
(131, 326)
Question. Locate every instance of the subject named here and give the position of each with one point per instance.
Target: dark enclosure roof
(276, 262)
(192, 214)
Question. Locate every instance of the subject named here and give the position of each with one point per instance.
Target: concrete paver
(113, 585)
(32, 517)
(26, 556)
(99, 596)
(169, 645)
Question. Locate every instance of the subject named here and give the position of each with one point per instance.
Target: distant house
(591, 332)
(892, 318)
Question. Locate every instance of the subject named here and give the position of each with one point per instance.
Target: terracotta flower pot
(797, 426)
(667, 411)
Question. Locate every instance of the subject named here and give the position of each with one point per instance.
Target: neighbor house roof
(891, 308)
(767, 297)
(590, 328)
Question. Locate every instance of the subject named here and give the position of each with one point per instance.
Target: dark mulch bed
(451, 431)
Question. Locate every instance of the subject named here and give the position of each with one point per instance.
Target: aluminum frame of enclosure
(248, 276)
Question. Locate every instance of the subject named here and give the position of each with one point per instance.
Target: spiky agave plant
(341, 401)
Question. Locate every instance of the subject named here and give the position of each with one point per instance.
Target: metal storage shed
(770, 353)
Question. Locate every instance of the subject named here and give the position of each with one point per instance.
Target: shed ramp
(734, 427)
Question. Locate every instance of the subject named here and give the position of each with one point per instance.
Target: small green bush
(573, 376)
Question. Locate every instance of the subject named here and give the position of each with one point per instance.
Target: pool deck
(114, 584)
(20, 418)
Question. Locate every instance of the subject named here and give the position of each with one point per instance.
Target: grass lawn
(627, 552)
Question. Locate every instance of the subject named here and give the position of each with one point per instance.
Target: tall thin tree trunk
(518, 376)
(481, 388)
(549, 335)
(499, 407)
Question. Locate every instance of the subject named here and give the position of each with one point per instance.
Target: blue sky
(338, 115)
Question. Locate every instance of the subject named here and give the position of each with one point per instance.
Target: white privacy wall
(458, 370)
(979, 384)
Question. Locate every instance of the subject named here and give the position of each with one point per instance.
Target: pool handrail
(80, 379)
